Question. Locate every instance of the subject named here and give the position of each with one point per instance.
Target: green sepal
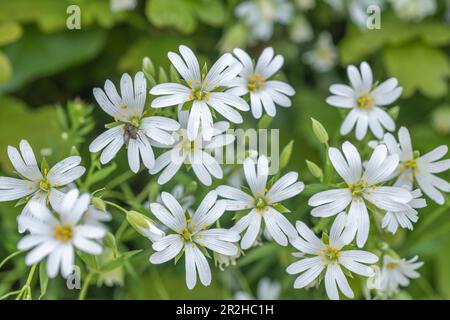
(280, 208)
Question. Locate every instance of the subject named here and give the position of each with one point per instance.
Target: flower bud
(99, 203)
(147, 66)
(319, 131)
(144, 225)
(314, 169)
(109, 241)
(286, 154)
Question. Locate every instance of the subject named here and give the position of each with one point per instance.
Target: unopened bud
(99, 203)
(286, 154)
(319, 131)
(144, 225)
(314, 169)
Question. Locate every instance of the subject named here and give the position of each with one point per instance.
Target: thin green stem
(112, 204)
(12, 255)
(85, 287)
(159, 285)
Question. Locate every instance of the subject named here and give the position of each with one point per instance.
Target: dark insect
(130, 132)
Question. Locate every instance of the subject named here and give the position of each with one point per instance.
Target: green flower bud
(144, 225)
(286, 154)
(314, 169)
(319, 131)
(147, 66)
(162, 75)
(109, 241)
(192, 187)
(99, 203)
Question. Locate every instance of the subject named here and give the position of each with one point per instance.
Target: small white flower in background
(192, 236)
(194, 152)
(421, 169)
(357, 10)
(397, 273)
(186, 201)
(41, 185)
(56, 236)
(324, 55)
(261, 15)
(300, 29)
(222, 261)
(414, 10)
(96, 217)
(262, 203)
(253, 80)
(406, 218)
(122, 5)
(266, 290)
(362, 187)
(329, 256)
(131, 127)
(364, 100)
(201, 92)
(305, 5)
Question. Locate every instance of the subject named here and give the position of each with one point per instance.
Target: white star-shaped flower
(41, 185)
(132, 128)
(56, 236)
(262, 203)
(253, 80)
(397, 273)
(422, 169)
(196, 153)
(404, 219)
(364, 100)
(191, 233)
(330, 257)
(199, 92)
(361, 187)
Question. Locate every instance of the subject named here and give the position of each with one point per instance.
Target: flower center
(261, 203)
(44, 185)
(410, 164)
(255, 82)
(365, 102)
(330, 255)
(63, 232)
(199, 94)
(391, 265)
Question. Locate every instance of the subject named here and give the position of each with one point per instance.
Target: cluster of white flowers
(391, 182)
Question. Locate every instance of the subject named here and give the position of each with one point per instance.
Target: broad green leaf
(9, 32)
(174, 13)
(5, 68)
(419, 68)
(39, 127)
(37, 55)
(358, 44)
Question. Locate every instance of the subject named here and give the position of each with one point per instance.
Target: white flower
(35, 184)
(357, 10)
(201, 92)
(122, 5)
(96, 216)
(260, 16)
(56, 236)
(361, 187)
(406, 218)
(190, 233)
(253, 80)
(262, 203)
(414, 10)
(266, 290)
(324, 56)
(364, 102)
(396, 273)
(194, 152)
(131, 126)
(331, 257)
(421, 169)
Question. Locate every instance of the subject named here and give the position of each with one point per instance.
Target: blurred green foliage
(45, 69)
